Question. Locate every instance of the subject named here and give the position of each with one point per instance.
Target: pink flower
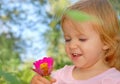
(44, 66)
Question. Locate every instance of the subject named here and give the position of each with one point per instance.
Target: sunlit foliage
(17, 13)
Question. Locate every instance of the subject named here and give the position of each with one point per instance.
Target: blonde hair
(108, 29)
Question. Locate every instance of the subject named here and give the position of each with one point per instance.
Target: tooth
(75, 54)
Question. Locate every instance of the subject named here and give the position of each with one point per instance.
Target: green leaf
(9, 77)
(79, 16)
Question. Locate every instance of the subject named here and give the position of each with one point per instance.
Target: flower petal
(44, 66)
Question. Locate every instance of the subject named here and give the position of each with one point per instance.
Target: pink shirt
(64, 76)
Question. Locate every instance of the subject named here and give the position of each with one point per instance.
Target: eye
(82, 39)
(67, 40)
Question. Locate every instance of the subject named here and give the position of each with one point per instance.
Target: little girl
(92, 46)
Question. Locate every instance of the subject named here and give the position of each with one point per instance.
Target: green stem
(47, 77)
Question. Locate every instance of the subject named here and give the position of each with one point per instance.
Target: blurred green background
(13, 70)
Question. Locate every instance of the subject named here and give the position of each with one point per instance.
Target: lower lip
(75, 57)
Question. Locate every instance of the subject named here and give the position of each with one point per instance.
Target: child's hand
(37, 79)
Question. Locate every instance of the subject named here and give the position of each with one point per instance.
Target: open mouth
(76, 55)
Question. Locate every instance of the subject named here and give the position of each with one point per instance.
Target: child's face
(83, 44)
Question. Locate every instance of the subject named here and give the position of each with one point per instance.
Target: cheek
(93, 47)
(94, 52)
(66, 49)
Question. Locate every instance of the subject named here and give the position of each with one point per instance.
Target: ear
(105, 47)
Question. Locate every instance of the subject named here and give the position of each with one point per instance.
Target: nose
(73, 45)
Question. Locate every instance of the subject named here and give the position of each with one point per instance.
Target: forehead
(76, 25)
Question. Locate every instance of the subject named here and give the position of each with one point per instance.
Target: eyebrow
(80, 34)
(65, 35)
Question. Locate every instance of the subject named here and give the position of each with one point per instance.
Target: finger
(33, 80)
(39, 82)
(53, 80)
(44, 80)
(36, 79)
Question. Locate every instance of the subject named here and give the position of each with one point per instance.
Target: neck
(89, 69)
